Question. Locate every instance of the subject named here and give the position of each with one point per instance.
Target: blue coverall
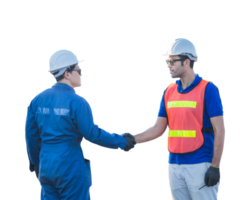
(57, 120)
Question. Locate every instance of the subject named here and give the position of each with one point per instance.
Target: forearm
(218, 147)
(150, 134)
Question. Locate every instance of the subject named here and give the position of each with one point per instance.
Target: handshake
(130, 141)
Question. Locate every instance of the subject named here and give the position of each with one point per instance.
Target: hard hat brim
(163, 54)
(64, 66)
(82, 60)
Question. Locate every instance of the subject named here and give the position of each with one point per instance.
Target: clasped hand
(130, 141)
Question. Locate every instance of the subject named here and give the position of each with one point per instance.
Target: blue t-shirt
(213, 108)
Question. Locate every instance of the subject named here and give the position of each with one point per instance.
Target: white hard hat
(183, 47)
(61, 60)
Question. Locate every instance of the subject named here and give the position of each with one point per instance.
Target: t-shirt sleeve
(213, 104)
(162, 111)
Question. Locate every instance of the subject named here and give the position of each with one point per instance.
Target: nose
(169, 66)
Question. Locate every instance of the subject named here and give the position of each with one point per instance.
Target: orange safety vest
(185, 118)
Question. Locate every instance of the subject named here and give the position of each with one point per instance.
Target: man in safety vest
(57, 120)
(192, 109)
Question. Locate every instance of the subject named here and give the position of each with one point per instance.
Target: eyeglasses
(171, 62)
(78, 70)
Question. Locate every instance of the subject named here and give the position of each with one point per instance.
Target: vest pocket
(89, 171)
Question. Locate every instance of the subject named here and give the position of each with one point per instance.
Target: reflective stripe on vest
(179, 104)
(182, 133)
(185, 118)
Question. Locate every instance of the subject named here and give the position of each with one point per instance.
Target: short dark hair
(186, 57)
(69, 69)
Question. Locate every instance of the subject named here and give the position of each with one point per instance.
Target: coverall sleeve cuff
(32, 167)
(123, 143)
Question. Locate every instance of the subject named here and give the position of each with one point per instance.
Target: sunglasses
(171, 62)
(78, 70)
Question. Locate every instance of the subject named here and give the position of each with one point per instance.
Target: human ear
(66, 75)
(187, 62)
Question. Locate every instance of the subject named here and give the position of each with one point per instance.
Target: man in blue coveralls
(191, 166)
(57, 120)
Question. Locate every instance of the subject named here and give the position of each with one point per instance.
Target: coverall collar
(64, 86)
(191, 86)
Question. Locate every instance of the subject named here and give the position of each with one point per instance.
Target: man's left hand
(212, 176)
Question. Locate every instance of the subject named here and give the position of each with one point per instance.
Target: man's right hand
(130, 141)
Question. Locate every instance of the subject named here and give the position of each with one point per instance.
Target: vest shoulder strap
(207, 130)
(169, 84)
